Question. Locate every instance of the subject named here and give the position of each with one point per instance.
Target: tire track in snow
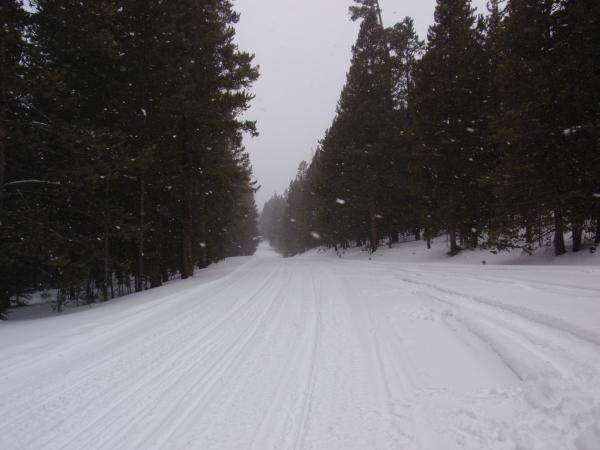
(192, 361)
(13, 357)
(71, 391)
(308, 398)
(544, 286)
(74, 380)
(218, 368)
(392, 396)
(278, 422)
(397, 403)
(551, 363)
(209, 411)
(524, 313)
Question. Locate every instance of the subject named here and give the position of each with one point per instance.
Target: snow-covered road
(316, 353)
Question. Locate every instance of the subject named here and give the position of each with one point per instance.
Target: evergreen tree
(448, 107)
(404, 206)
(271, 220)
(12, 91)
(529, 128)
(576, 58)
(130, 161)
(360, 145)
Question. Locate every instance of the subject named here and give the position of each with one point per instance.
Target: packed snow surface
(316, 352)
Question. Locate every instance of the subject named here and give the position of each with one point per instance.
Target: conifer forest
(121, 157)
(488, 132)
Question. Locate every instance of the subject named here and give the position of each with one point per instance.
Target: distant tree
(271, 218)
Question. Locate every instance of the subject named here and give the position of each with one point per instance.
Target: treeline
(121, 158)
(489, 132)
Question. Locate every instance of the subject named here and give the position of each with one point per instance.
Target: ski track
(314, 353)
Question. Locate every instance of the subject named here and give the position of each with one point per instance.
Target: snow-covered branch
(21, 182)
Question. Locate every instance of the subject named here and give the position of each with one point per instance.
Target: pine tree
(575, 59)
(12, 47)
(403, 208)
(529, 128)
(490, 33)
(127, 122)
(212, 93)
(360, 142)
(271, 220)
(447, 112)
(77, 65)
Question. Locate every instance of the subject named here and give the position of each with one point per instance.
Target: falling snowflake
(315, 235)
(340, 201)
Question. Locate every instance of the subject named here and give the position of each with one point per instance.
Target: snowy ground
(317, 353)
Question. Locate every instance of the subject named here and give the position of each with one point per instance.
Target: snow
(417, 252)
(408, 350)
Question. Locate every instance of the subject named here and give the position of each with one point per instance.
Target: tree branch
(21, 182)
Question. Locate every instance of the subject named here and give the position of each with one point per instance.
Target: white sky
(303, 48)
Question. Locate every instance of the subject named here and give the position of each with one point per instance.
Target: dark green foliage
(271, 219)
(128, 113)
(577, 61)
(448, 107)
(13, 131)
(491, 136)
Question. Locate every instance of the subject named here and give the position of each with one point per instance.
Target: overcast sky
(303, 48)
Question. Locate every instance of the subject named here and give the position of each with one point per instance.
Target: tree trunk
(2, 162)
(155, 274)
(140, 278)
(4, 302)
(577, 231)
(559, 239)
(3, 117)
(417, 234)
(60, 300)
(204, 251)
(597, 240)
(88, 291)
(374, 232)
(107, 275)
(187, 248)
(474, 240)
(528, 233)
(492, 233)
(454, 248)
